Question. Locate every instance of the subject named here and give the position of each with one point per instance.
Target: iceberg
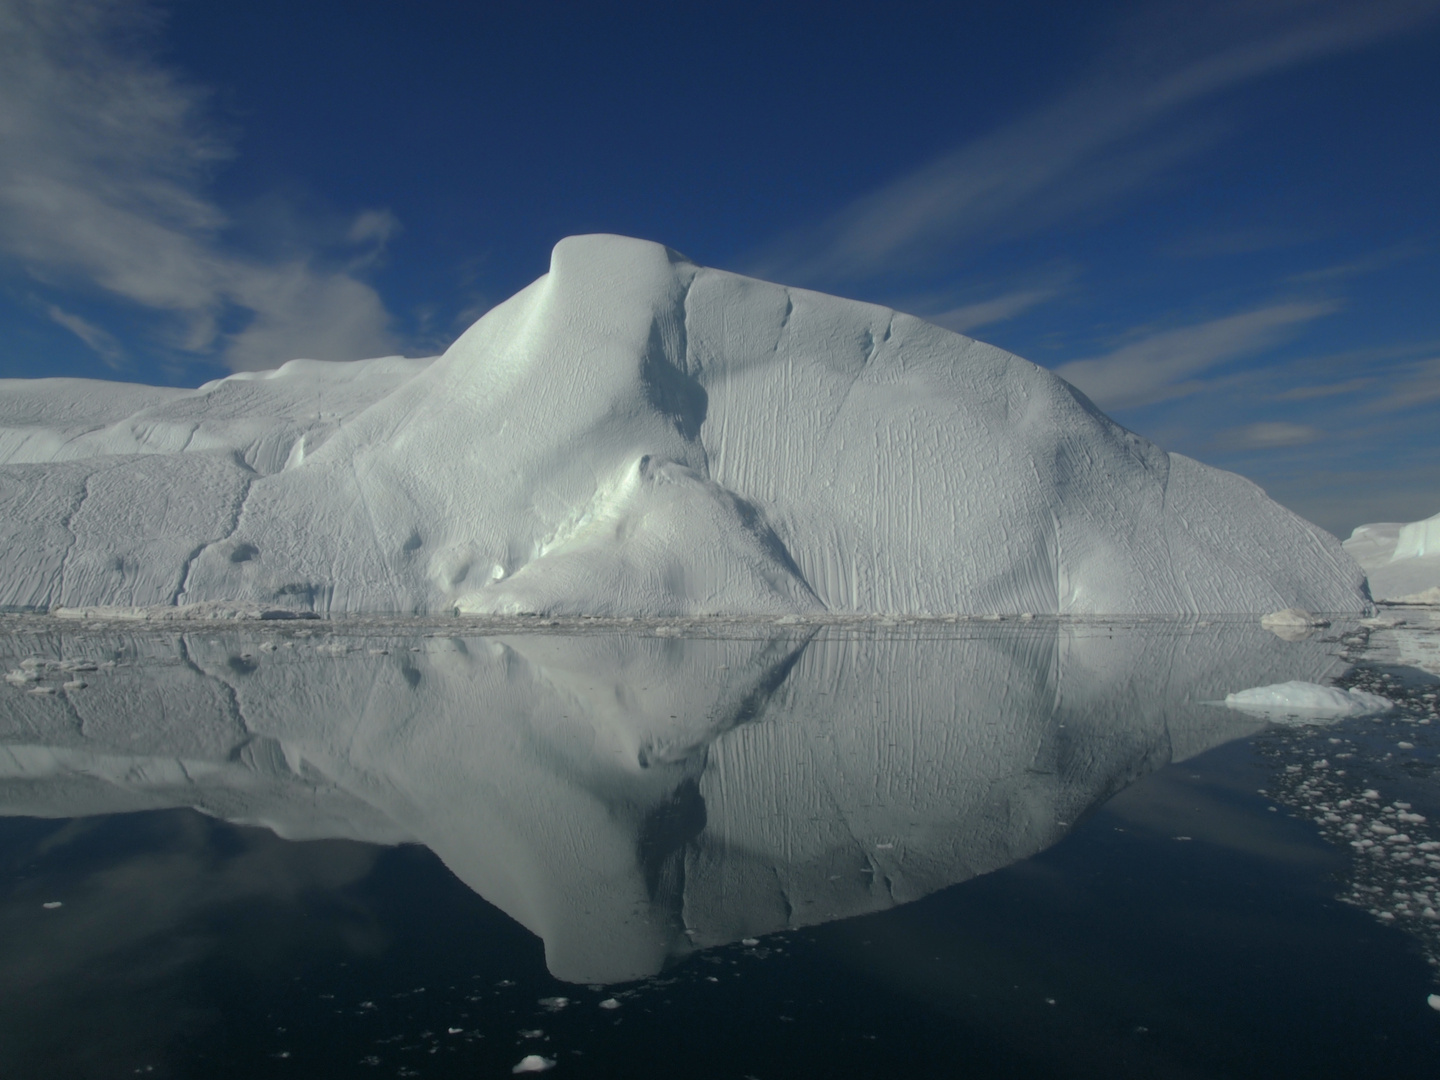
(634, 434)
(1402, 561)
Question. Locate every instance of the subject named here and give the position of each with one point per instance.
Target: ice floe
(1307, 700)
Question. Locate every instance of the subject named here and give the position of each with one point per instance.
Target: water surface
(776, 849)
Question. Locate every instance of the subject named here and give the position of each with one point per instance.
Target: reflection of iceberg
(628, 797)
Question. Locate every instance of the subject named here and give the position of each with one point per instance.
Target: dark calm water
(971, 850)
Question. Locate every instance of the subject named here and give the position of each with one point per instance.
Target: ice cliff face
(1402, 560)
(634, 434)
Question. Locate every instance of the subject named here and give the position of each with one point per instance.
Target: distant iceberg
(633, 434)
(1402, 561)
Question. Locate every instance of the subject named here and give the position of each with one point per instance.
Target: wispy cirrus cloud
(1412, 385)
(967, 317)
(1108, 134)
(1266, 435)
(101, 342)
(1167, 364)
(105, 157)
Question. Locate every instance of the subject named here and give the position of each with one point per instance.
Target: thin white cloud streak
(968, 317)
(101, 343)
(1165, 365)
(1411, 386)
(1093, 143)
(104, 157)
(1266, 435)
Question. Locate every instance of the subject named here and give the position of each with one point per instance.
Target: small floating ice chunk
(1433, 1001)
(610, 1003)
(750, 941)
(1307, 701)
(51, 905)
(533, 1063)
(1292, 624)
(554, 1004)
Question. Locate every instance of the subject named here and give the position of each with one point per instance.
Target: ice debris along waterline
(634, 434)
(1402, 561)
(1307, 700)
(533, 1063)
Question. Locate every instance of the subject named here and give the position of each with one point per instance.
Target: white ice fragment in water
(51, 905)
(1307, 701)
(750, 941)
(554, 1004)
(1292, 624)
(533, 1063)
(1433, 1001)
(453, 1031)
(610, 1003)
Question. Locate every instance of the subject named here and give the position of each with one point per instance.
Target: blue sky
(1220, 220)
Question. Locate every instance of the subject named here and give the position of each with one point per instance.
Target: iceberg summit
(635, 435)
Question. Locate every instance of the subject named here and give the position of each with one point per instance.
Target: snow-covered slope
(1401, 561)
(633, 434)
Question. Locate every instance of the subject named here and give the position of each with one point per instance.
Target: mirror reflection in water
(633, 796)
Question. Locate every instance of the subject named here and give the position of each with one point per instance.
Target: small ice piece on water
(554, 1004)
(610, 1003)
(1433, 1001)
(533, 1063)
(750, 941)
(453, 1031)
(1307, 701)
(51, 905)
(1292, 624)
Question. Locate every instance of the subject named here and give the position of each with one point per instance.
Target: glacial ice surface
(1402, 561)
(634, 434)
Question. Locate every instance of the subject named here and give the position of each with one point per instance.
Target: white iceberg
(634, 434)
(1402, 561)
(1308, 700)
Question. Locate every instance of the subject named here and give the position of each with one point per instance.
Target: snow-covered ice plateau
(1402, 561)
(633, 434)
